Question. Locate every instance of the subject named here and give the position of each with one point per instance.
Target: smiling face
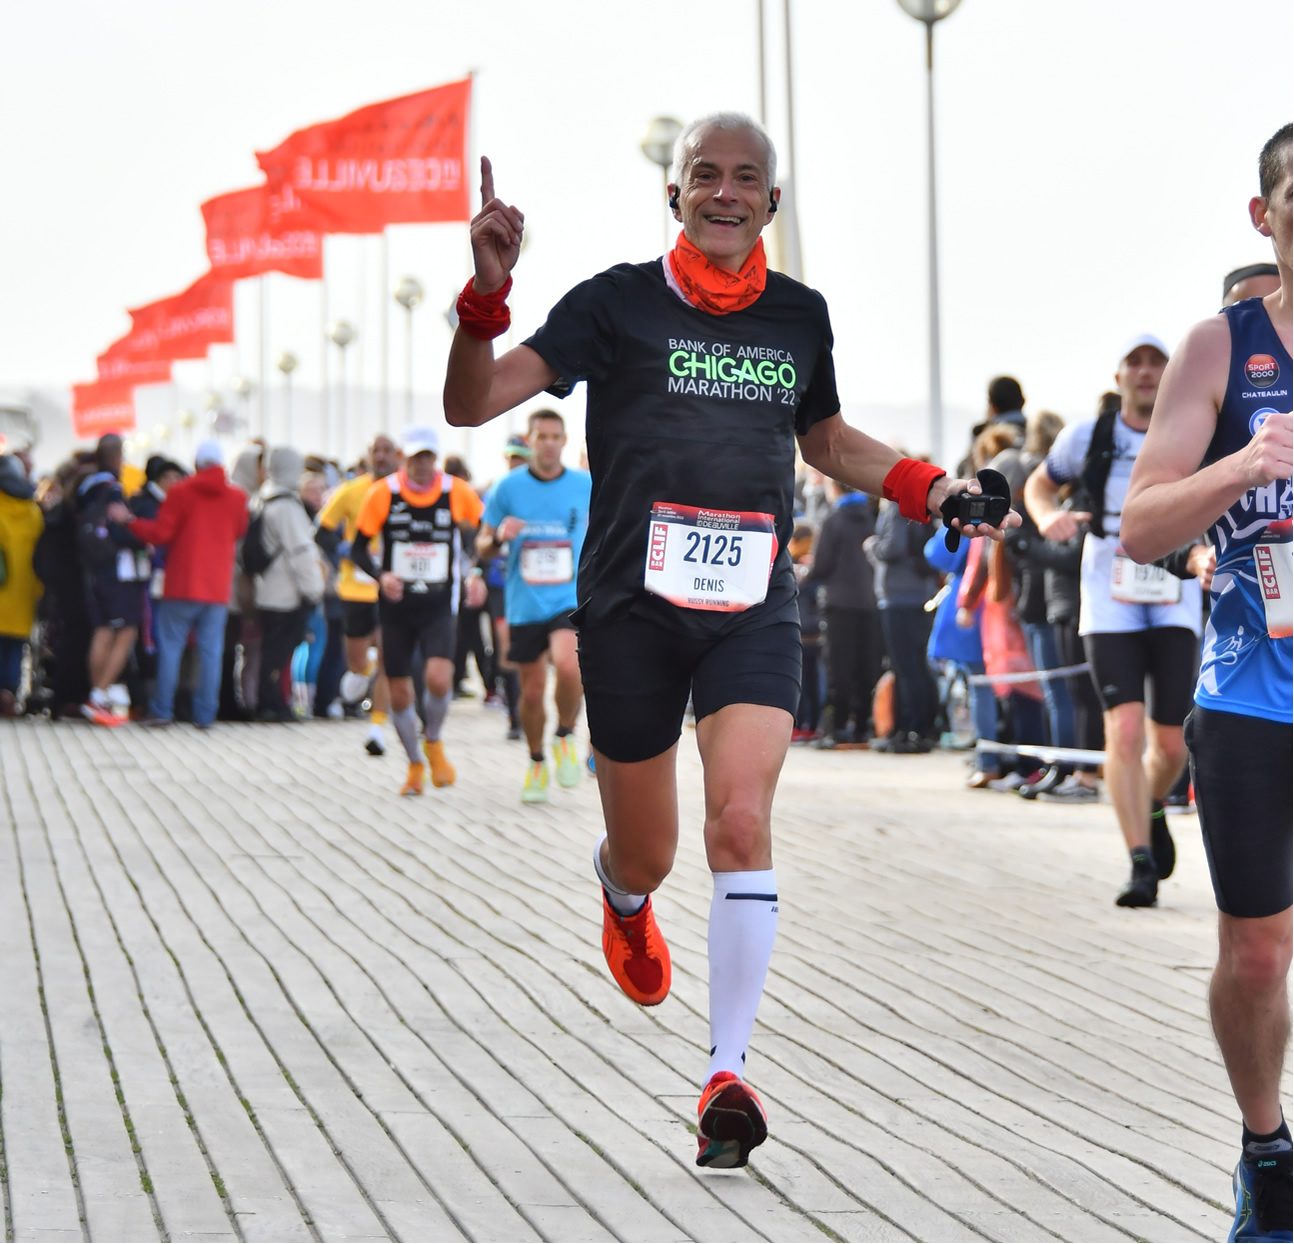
(723, 194)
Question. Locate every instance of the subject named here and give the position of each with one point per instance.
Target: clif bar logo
(656, 546)
(1262, 371)
(1266, 565)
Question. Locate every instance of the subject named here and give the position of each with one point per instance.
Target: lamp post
(287, 364)
(658, 146)
(409, 293)
(929, 12)
(342, 334)
(242, 389)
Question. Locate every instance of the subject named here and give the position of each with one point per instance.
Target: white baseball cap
(421, 440)
(209, 453)
(1145, 339)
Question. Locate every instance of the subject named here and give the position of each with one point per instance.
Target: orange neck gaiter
(710, 288)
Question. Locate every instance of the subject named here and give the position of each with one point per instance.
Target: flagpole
(325, 412)
(386, 324)
(362, 325)
(262, 411)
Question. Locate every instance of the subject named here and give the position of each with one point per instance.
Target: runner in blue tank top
(1219, 455)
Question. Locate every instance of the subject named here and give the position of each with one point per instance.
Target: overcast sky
(1095, 161)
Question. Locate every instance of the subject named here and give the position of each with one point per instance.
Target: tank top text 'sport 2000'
(709, 559)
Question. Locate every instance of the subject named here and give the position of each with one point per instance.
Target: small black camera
(990, 506)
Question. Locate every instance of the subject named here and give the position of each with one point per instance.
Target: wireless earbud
(673, 201)
(772, 203)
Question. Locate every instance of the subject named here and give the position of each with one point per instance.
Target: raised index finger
(487, 180)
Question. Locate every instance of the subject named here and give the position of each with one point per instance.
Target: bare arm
(1170, 499)
(477, 385)
(844, 453)
(1041, 499)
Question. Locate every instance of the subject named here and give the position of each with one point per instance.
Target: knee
(737, 838)
(1171, 745)
(1255, 958)
(642, 870)
(1125, 734)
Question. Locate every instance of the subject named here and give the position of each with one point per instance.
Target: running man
(1219, 457)
(702, 367)
(541, 514)
(420, 513)
(358, 591)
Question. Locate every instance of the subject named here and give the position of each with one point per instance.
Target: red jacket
(200, 521)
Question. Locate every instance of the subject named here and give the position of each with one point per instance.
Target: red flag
(245, 237)
(184, 325)
(103, 406)
(399, 161)
(120, 362)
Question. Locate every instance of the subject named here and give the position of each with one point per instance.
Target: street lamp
(409, 293)
(658, 146)
(342, 334)
(287, 364)
(929, 12)
(242, 388)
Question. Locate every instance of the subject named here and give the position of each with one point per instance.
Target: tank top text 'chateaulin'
(1242, 669)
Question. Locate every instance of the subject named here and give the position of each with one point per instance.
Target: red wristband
(908, 483)
(484, 316)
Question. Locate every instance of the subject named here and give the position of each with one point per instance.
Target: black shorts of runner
(528, 641)
(432, 631)
(114, 605)
(1243, 770)
(1166, 656)
(494, 604)
(358, 618)
(637, 676)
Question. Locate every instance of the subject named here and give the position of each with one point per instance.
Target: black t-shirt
(689, 408)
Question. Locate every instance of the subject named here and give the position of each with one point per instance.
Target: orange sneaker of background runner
(413, 783)
(442, 772)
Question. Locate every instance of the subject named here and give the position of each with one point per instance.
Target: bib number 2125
(709, 559)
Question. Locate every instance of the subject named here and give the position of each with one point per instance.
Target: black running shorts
(1124, 661)
(432, 632)
(637, 676)
(1243, 771)
(114, 605)
(528, 641)
(358, 618)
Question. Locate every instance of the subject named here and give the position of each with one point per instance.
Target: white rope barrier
(1063, 671)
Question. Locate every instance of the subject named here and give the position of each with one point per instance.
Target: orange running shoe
(99, 715)
(442, 772)
(413, 783)
(636, 953)
(730, 1122)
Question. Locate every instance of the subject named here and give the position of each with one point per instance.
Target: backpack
(255, 557)
(1097, 464)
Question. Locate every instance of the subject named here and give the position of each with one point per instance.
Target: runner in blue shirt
(540, 512)
(1219, 456)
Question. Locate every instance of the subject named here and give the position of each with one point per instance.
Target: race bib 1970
(709, 559)
(1142, 585)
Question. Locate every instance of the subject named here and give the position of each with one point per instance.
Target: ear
(1258, 215)
(672, 191)
(776, 194)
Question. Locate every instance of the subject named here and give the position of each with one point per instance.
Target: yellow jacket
(21, 523)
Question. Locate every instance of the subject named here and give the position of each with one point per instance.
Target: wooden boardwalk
(248, 993)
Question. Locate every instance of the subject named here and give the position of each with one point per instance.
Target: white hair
(685, 143)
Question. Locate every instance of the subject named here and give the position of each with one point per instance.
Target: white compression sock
(406, 726)
(435, 707)
(743, 924)
(621, 900)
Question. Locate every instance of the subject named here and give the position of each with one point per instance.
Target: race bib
(547, 562)
(1142, 585)
(426, 562)
(709, 559)
(1274, 562)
